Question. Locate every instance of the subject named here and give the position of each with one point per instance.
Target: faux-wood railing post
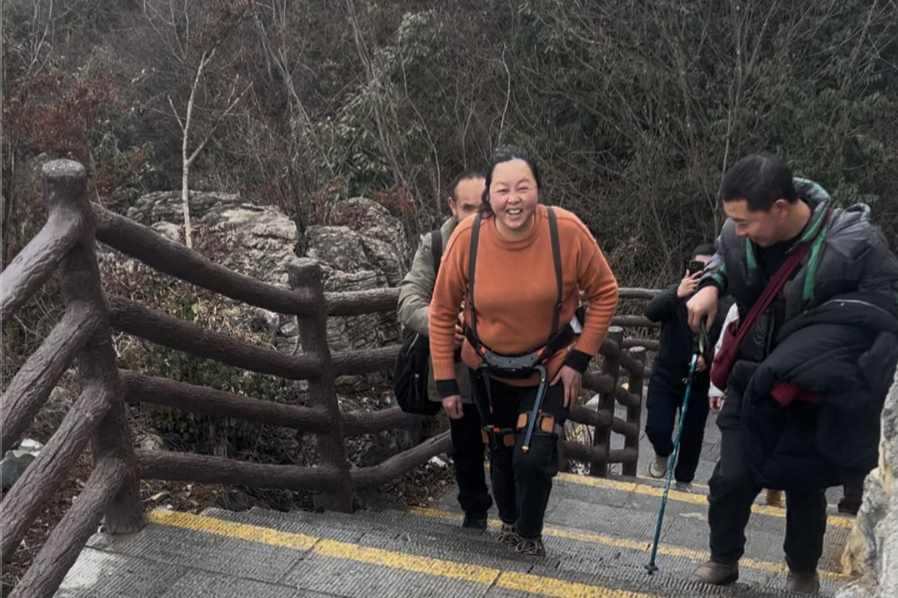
(602, 436)
(79, 276)
(634, 412)
(305, 273)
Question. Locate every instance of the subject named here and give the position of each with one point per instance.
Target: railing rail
(66, 246)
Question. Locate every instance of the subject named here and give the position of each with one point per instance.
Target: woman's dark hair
(506, 153)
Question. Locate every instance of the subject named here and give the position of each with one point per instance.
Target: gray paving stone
(202, 584)
(209, 552)
(322, 573)
(98, 574)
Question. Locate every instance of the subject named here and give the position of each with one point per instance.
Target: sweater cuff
(448, 388)
(709, 282)
(578, 360)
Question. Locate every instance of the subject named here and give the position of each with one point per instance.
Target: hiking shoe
(850, 503)
(848, 508)
(531, 547)
(716, 574)
(508, 535)
(683, 486)
(803, 583)
(774, 498)
(475, 521)
(658, 466)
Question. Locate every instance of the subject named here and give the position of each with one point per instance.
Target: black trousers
(521, 482)
(732, 492)
(467, 454)
(663, 402)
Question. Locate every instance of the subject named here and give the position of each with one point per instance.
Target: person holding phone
(667, 385)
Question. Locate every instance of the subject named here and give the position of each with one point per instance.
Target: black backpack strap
(436, 248)
(472, 263)
(556, 258)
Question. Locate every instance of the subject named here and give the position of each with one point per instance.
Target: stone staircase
(598, 534)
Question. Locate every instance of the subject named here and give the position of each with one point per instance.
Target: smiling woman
(529, 263)
(512, 194)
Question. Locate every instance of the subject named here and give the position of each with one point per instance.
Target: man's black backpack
(413, 363)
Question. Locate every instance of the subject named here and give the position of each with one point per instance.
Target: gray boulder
(254, 240)
(872, 546)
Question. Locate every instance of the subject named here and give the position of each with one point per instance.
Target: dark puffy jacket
(849, 255)
(844, 352)
(799, 445)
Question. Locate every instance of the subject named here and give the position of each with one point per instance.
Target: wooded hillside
(633, 108)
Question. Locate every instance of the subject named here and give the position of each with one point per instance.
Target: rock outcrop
(872, 547)
(254, 240)
(363, 247)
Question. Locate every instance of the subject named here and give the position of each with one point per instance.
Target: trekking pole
(702, 338)
(540, 393)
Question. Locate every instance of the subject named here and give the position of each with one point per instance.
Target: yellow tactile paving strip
(626, 544)
(488, 576)
(688, 497)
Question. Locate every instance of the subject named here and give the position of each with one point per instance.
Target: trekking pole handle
(537, 403)
(699, 349)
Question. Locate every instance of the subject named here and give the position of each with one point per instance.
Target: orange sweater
(515, 292)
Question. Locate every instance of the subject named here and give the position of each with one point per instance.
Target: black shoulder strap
(556, 257)
(436, 248)
(472, 262)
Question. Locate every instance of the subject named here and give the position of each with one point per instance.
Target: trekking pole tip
(651, 568)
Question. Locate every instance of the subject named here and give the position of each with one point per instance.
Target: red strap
(773, 287)
(786, 392)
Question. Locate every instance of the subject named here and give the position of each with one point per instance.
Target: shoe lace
(507, 535)
(530, 547)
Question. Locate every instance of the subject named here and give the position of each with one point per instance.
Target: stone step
(436, 533)
(183, 555)
(597, 534)
(626, 508)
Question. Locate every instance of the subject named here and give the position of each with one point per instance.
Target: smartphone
(695, 266)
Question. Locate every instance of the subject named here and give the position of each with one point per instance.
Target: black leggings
(521, 482)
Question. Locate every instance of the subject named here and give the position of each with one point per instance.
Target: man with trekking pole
(807, 371)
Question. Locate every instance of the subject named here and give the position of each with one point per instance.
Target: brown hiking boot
(716, 574)
(508, 536)
(803, 583)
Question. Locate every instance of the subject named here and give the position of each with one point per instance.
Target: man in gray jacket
(848, 265)
(415, 293)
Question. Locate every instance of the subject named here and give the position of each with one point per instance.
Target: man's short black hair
(466, 175)
(704, 249)
(759, 179)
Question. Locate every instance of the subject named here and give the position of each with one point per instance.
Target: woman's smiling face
(513, 198)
